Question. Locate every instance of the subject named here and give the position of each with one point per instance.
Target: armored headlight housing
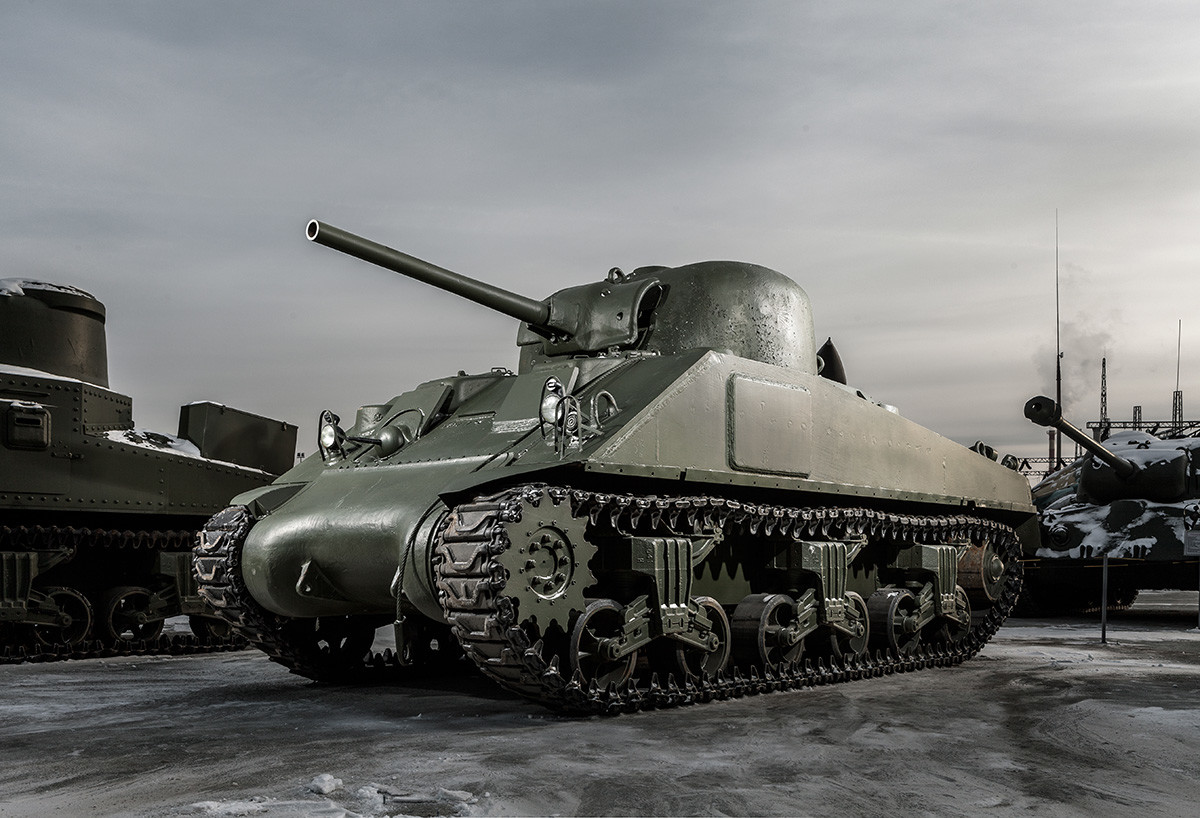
(331, 437)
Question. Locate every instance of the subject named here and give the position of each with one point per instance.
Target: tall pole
(1177, 398)
(1057, 346)
(1102, 432)
(1104, 601)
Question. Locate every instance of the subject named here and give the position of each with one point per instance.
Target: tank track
(472, 582)
(175, 645)
(43, 538)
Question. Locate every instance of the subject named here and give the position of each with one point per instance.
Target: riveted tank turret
(666, 483)
(53, 328)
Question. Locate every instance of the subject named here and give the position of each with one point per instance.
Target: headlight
(331, 437)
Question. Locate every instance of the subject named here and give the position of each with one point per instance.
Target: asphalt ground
(1046, 721)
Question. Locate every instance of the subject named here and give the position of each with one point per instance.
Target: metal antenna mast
(1177, 398)
(1057, 347)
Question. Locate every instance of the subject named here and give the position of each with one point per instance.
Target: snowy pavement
(1045, 720)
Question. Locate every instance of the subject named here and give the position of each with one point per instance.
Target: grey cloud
(902, 164)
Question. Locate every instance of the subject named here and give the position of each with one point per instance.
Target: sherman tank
(667, 501)
(97, 517)
(1133, 499)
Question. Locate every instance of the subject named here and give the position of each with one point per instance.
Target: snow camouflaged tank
(1134, 498)
(98, 518)
(665, 503)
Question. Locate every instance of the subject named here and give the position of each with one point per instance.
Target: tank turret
(1131, 498)
(744, 309)
(1145, 471)
(665, 484)
(53, 328)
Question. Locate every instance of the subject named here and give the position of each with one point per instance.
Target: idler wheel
(594, 639)
(764, 634)
(981, 573)
(79, 618)
(893, 616)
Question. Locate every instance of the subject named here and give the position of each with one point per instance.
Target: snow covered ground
(1045, 721)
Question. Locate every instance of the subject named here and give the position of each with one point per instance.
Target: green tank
(665, 502)
(1133, 499)
(97, 517)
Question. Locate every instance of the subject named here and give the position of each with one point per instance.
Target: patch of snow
(29, 372)
(371, 797)
(146, 439)
(258, 805)
(253, 807)
(18, 286)
(456, 796)
(159, 441)
(324, 784)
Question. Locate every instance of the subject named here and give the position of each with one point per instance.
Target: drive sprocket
(518, 561)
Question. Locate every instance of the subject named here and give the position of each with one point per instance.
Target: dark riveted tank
(98, 518)
(666, 502)
(1133, 498)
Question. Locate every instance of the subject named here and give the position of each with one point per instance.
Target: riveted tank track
(472, 586)
(217, 563)
(14, 649)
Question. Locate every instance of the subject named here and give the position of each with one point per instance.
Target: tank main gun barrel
(1045, 412)
(536, 313)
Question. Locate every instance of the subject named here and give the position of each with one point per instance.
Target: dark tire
(124, 617)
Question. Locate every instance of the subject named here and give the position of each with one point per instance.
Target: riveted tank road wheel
(332, 648)
(208, 627)
(893, 617)
(124, 616)
(75, 606)
(699, 662)
(843, 644)
(946, 631)
(761, 631)
(592, 641)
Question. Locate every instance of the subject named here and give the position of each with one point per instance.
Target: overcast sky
(903, 162)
